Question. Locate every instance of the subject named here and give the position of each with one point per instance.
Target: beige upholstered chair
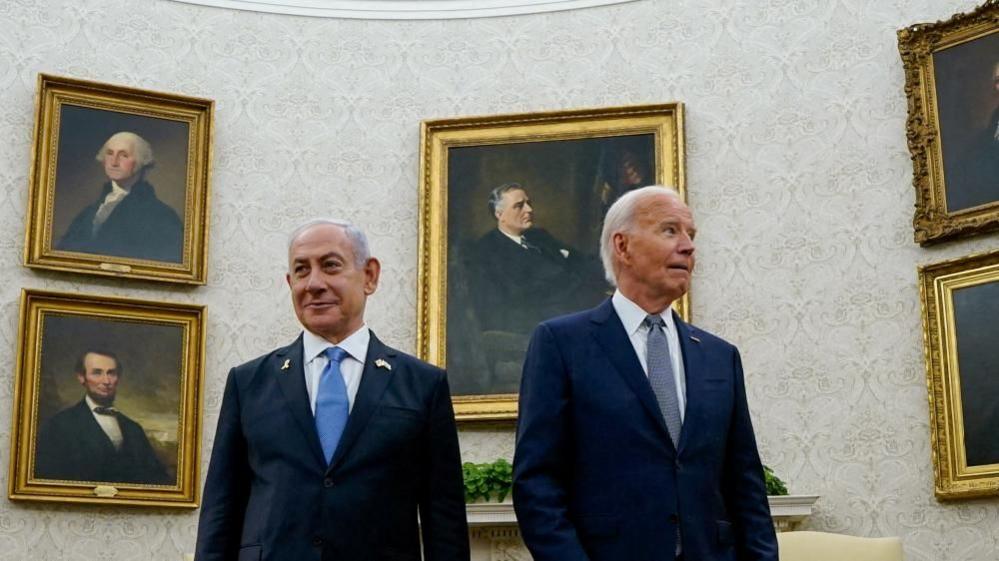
(822, 546)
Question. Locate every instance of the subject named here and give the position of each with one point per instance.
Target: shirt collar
(117, 190)
(93, 404)
(516, 239)
(356, 344)
(632, 315)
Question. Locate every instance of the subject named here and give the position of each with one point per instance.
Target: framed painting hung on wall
(511, 208)
(960, 307)
(952, 86)
(119, 182)
(107, 401)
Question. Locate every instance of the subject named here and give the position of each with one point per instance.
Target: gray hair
(621, 218)
(496, 196)
(358, 241)
(143, 151)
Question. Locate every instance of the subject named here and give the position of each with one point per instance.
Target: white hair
(358, 241)
(621, 218)
(143, 151)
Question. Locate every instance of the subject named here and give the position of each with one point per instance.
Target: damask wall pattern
(798, 176)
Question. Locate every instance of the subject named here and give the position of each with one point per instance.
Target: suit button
(328, 482)
(317, 541)
(674, 518)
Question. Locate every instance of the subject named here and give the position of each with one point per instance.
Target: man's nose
(687, 245)
(314, 282)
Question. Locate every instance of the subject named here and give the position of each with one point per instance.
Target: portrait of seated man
(126, 219)
(520, 274)
(92, 440)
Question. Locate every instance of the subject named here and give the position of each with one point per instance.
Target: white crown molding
(403, 9)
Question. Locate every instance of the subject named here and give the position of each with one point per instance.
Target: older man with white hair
(634, 441)
(127, 219)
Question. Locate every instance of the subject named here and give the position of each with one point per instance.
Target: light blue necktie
(332, 405)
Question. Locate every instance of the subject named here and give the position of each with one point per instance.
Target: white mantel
(496, 537)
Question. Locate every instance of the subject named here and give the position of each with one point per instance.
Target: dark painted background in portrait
(80, 177)
(149, 386)
(975, 311)
(967, 102)
(570, 182)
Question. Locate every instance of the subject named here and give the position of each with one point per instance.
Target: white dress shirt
(351, 367)
(109, 424)
(633, 318)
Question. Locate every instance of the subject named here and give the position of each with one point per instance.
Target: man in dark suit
(634, 441)
(127, 219)
(92, 441)
(521, 274)
(327, 448)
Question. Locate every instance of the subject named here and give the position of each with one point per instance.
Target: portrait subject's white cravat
(116, 195)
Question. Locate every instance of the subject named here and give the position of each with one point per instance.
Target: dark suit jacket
(269, 495)
(141, 227)
(596, 476)
(73, 446)
(515, 288)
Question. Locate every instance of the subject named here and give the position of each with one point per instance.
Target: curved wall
(798, 175)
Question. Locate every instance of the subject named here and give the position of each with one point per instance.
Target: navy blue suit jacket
(270, 496)
(596, 477)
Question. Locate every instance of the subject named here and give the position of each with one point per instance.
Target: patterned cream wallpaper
(798, 174)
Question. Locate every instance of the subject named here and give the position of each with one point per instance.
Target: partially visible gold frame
(53, 93)
(663, 121)
(954, 479)
(35, 307)
(917, 44)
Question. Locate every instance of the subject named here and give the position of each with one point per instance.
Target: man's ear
(372, 270)
(81, 378)
(619, 241)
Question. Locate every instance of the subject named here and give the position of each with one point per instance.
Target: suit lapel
(289, 368)
(609, 332)
(692, 352)
(374, 381)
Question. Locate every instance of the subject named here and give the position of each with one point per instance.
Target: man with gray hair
(127, 219)
(634, 441)
(327, 448)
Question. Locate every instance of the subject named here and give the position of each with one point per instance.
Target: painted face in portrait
(656, 256)
(120, 162)
(100, 378)
(995, 77)
(516, 215)
(328, 288)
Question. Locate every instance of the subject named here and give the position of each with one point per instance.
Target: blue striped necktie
(332, 405)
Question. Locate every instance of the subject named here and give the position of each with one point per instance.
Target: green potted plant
(493, 481)
(485, 482)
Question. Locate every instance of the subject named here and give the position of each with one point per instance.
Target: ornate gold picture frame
(960, 307)
(549, 177)
(119, 182)
(952, 86)
(107, 401)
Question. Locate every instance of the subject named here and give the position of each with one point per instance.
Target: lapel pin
(695, 339)
(287, 364)
(380, 363)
